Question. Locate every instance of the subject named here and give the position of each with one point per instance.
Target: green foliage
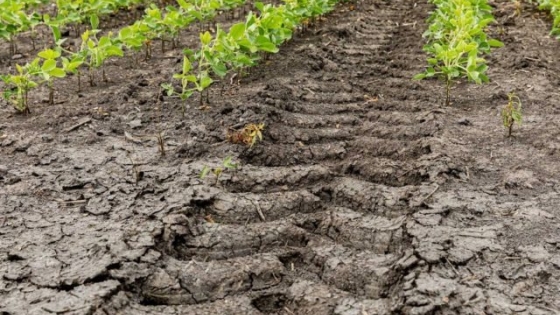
(94, 52)
(553, 6)
(49, 70)
(14, 19)
(227, 164)
(511, 113)
(78, 11)
(164, 24)
(246, 42)
(18, 16)
(20, 84)
(456, 41)
(260, 34)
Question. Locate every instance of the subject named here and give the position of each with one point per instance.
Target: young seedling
(161, 142)
(20, 84)
(72, 66)
(186, 78)
(50, 70)
(511, 113)
(227, 164)
(133, 38)
(249, 135)
(191, 82)
(95, 51)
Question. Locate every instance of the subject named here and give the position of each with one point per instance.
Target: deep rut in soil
(286, 228)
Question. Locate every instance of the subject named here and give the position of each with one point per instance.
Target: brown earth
(367, 196)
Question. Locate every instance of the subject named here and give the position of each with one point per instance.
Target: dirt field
(367, 196)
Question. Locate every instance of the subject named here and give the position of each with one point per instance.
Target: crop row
(553, 6)
(240, 46)
(51, 64)
(15, 19)
(166, 24)
(457, 41)
(243, 45)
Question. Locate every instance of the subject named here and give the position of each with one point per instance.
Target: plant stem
(91, 75)
(448, 88)
(51, 93)
(13, 48)
(25, 101)
(79, 82)
(33, 34)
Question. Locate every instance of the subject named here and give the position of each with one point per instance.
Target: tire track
(320, 224)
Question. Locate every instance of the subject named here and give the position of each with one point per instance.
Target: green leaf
(56, 33)
(85, 36)
(73, 66)
(516, 116)
(104, 42)
(57, 73)
(237, 31)
(183, 4)
(205, 38)
(264, 44)
(126, 32)
(474, 75)
(168, 88)
(432, 61)
(48, 65)
(219, 69)
(90, 44)
(260, 6)
(186, 94)
(227, 163)
(49, 54)
(205, 82)
(430, 72)
(186, 65)
(495, 43)
(114, 51)
(419, 76)
(94, 21)
(205, 171)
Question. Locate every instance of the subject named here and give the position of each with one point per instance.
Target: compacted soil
(366, 195)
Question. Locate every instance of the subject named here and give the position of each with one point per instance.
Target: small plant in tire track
(511, 113)
(249, 135)
(456, 41)
(227, 164)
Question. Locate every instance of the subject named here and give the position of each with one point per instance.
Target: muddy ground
(367, 196)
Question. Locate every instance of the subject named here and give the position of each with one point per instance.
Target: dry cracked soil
(366, 195)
